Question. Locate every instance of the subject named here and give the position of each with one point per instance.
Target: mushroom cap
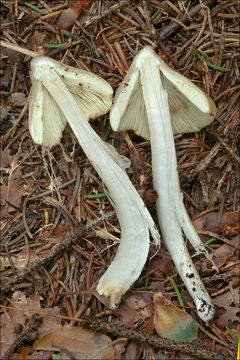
(46, 121)
(190, 108)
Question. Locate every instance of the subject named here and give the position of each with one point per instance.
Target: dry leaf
(13, 195)
(222, 254)
(8, 323)
(162, 263)
(172, 322)
(209, 221)
(18, 99)
(230, 315)
(230, 230)
(134, 351)
(226, 299)
(13, 191)
(235, 280)
(5, 159)
(137, 309)
(119, 348)
(231, 312)
(81, 343)
(14, 318)
(38, 41)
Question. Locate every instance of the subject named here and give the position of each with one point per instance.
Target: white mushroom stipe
(155, 102)
(63, 94)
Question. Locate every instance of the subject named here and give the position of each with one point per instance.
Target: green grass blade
(215, 67)
(178, 293)
(33, 7)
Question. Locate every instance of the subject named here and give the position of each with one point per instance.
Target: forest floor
(50, 260)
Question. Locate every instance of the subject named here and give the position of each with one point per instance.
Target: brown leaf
(48, 323)
(13, 195)
(8, 325)
(15, 318)
(222, 254)
(13, 191)
(134, 351)
(80, 342)
(6, 159)
(40, 355)
(229, 315)
(226, 299)
(38, 41)
(7, 328)
(4, 110)
(208, 221)
(137, 309)
(235, 281)
(13, 56)
(18, 99)
(23, 354)
(230, 230)
(162, 263)
(119, 349)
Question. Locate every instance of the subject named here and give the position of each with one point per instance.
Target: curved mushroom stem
(134, 218)
(166, 183)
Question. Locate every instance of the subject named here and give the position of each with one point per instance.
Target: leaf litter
(104, 39)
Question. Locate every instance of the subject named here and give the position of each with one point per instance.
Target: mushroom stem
(193, 237)
(134, 218)
(166, 183)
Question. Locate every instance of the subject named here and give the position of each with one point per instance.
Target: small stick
(99, 325)
(19, 49)
(10, 131)
(219, 237)
(203, 164)
(113, 8)
(225, 145)
(89, 269)
(173, 26)
(62, 246)
(24, 215)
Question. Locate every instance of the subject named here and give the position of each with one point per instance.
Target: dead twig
(173, 26)
(226, 146)
(54, 252)
(109, 11)
(19, 49)
(99, 325)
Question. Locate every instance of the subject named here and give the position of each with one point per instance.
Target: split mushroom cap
(190, 108)
(46, 121)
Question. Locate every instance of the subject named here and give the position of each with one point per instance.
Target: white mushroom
(63, 94)
(155, 101)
